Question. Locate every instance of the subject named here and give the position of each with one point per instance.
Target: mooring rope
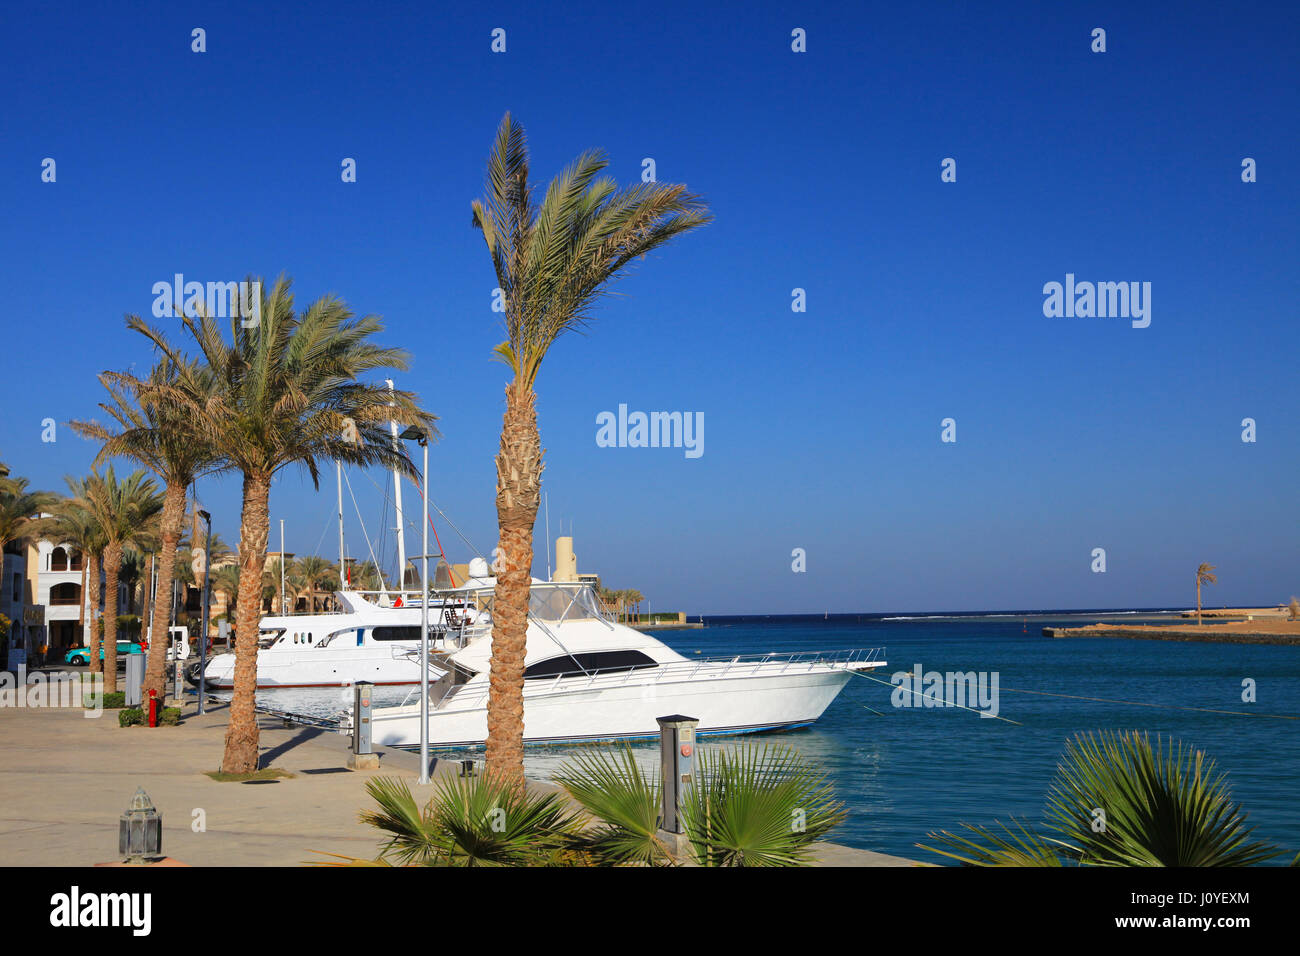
(1139, 703)
(1102, 700)
(982, 713)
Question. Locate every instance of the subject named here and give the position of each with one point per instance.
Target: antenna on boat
(547, 498)
(397, 499)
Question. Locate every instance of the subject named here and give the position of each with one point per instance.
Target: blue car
(80, 656)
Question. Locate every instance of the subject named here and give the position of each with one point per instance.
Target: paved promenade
(65, 780)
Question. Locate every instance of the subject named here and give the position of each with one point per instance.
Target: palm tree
(158, 436)
(319, 575)
(123, 510)
(1203, 575)
(225, 581)
(551, 263)
(285, 391)
(1117, 800)
(21, 509)
(76, 525)
(635, 597)
(1293, 610)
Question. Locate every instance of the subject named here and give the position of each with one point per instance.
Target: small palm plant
(625, 802)
(1120, 800)
(758, 807)
(470, 821)
(754, 806)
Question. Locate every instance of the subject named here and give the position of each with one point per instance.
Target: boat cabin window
(267, 638)
(395, 633)
(607, 662)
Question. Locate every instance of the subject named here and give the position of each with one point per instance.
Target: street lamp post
(203, 629)
(417, 433)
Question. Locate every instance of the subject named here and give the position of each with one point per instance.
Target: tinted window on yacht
(603, 661)
(395, 633)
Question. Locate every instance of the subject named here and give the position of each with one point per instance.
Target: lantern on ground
(139, 830)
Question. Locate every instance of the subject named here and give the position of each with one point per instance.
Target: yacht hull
(316, 669)
(555, 713)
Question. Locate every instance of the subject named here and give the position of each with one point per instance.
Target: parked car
(80, 656)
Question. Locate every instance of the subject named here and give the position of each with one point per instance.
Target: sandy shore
(1272, 630)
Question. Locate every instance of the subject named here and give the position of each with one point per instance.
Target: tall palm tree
(285, 392)
(74, 524)
(124, 510)
(158, 436)
(1203, 575)
(552, 262)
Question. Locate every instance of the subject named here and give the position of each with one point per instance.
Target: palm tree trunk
(254, 526)
(1198, 600)
(173, 517)
(519, 479)
(112, 566)
(92, 562)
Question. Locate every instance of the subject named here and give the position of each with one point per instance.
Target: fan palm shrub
(750, 806)
(552, 261)
(1120, 800)
(625, 803)
(470, 821)
(285, 390)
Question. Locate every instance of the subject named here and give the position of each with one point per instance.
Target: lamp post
(421, 436)
(203, 629)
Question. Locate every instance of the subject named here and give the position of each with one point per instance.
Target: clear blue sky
(822, 429)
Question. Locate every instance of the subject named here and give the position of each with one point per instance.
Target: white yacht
(590, 678)
(374, 636)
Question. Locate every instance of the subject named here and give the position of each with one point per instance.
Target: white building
(59, 586)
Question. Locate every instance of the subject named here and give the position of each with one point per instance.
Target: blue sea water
(904, 772)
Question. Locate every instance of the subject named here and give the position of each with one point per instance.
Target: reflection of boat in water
(589, 678)
(365, 640)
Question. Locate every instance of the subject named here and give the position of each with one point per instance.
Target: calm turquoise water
(914, 770)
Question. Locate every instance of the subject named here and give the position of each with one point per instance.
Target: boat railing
(711, 668)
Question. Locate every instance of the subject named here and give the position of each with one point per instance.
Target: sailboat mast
(397, 499)
(343, 564)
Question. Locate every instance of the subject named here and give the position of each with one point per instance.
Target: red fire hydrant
(153, 708)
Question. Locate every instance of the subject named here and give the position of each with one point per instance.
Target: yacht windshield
(564, 602)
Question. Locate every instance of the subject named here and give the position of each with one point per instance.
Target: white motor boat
(374, 636)
(589, 678)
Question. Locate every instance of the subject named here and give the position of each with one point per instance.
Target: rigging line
(1138, 703)
(945, 703)
(412, 524)
(364, 532)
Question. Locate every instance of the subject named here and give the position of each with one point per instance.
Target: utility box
(134, 679)
(361, 725)
(677, 762)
